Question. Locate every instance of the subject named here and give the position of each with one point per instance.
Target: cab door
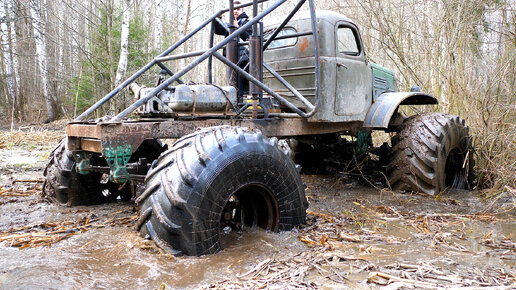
(354, 74)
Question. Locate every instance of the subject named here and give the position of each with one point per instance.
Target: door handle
(342, 65)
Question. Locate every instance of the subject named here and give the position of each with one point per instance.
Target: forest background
(60, 56)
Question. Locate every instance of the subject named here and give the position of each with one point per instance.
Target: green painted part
(381, 71)
(117, 158)
(82, 161)
(363, 141)
(383, 80)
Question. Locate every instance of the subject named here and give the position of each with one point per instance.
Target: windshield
(278, 43)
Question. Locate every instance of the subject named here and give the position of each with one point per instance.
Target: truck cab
(349, 81)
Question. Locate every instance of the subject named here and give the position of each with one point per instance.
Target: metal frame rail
(204, 54)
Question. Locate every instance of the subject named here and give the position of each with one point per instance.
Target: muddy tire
(65, 186)
(196, 186)
(430, 153)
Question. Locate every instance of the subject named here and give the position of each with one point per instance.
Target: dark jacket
(242, 20)
(243, 53)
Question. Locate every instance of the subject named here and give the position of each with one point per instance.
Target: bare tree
(124, 43)
(37, 11)
(9, 58)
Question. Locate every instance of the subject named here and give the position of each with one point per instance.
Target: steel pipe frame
(293, 35)
(196, 62)
(261, 85)
(284, 23)
(255, 56)
(312, 107)
(181, 56)
(154, 62)
(296, 93)
(213, 51)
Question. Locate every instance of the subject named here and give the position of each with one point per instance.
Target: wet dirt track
(356, 237)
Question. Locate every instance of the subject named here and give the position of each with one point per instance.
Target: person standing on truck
(240, 19)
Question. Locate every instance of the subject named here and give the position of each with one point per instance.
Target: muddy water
(116, 257)
(111, 257)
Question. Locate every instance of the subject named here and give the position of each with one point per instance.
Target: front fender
(380, 113)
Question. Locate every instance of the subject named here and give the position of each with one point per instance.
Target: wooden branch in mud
(28, 181)
(16, 192)
(341, 256)
(258, 268)
(349, 237)
(322, 215)
(421, 268)
(276, 274)
(390, 278)
(46, 234)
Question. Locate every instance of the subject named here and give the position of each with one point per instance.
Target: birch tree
(50, 100)
(124, 51)
(9, 58)
(124, 43)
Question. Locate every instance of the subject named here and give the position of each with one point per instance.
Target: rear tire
(430, 153)
(194, 190)
(65, 186)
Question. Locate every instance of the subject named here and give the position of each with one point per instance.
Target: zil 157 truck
(310, 82)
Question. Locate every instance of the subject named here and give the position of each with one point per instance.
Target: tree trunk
(124, 43)
(187, 21)
(109, 23)
(10, 61)
(50, 100)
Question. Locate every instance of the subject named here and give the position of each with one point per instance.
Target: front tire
(430, 153)
(215, 178)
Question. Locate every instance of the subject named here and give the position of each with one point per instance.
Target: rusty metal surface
(83, 130)
(133, 133)
(93, 137)
(91, 145)
(255, 62)
(383, 108)
(271, 128)
(74, 143)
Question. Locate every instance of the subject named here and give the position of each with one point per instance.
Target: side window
(282, 42)
(347, 42)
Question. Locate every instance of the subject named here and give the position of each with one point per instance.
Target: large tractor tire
(430, 153)
(217, 179)
(65, 186)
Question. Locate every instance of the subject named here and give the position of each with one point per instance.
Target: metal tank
(187, 98)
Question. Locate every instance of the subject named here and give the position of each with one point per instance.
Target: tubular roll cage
(230, 42)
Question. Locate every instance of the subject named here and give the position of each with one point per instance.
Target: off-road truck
(310, 83)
